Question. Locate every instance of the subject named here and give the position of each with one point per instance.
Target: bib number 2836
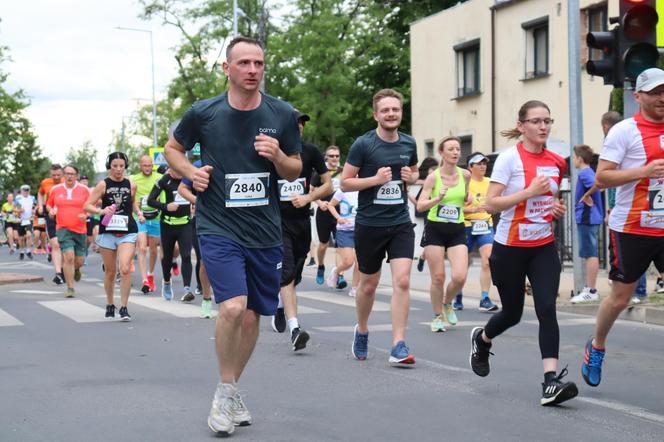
(389, 193)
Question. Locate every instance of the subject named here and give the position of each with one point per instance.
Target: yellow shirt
(478, 189)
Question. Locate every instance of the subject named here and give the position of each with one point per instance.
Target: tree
(84, 157)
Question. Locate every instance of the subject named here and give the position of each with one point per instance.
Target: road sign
(196, 151)
(158, 156)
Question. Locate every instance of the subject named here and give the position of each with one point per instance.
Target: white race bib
(247, 189)
(179, 199)
(41, 221)
(118, 223)
(389, 193)
(533, 232)
(448, 213)
(656, 197)
(480, 227)
(26, 222)
(289, 188)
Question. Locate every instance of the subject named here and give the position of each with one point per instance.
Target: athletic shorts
(444, 234)
(111, 241)
(50, 227)
(296, 237)
(23, 230)
(345, 238)
(150, 227)
(478, 240)
(588, 240)
(72, 241)
(9, 225)
(326, 225)
(241, 271)
(372, 243)
(40, 225)
(632, 254)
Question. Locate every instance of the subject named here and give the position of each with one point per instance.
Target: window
(466, 147)
(537, 47)
(428, 147)
(597, 21)
(468, 68)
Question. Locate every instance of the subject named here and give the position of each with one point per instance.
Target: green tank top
(450, 208)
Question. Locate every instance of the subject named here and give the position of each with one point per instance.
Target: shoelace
(596, 358)
(562, 374)
(362, 340)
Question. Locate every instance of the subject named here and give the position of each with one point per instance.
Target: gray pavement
(153, 378)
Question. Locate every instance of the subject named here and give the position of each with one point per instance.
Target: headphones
(115, 156)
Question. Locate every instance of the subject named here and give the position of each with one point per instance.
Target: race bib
(118, 223)
(144, 203)
(389, 193)
(288, 188)
(247, 189)
(533, 232)
(656, 197)
(336, 184)
(539, 207)
(480, 227)
(26, 222)
(179, 199)
(41, 221)
(448, 213)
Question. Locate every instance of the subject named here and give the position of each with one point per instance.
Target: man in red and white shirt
(632, 161)
(65, 203)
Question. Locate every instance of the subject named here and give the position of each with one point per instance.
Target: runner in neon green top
(149, 232)
(443, 194)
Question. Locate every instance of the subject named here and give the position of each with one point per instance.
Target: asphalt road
(67, 374)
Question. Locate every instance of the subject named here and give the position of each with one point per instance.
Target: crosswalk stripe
(571, 321)
(351, 328)
(460, 324)
(304, 310)
(92, 280)
(117, 287)
(7, 320)
(36, 292)
(76, 310)
(174, 308)
(26, 265)
(347, 301)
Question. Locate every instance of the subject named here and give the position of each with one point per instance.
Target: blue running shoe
(360, 346)
(341, 283)
(487, 306)
(400, 355)
(591, 369)
(167, 291)
(458, 302)
(320, 275)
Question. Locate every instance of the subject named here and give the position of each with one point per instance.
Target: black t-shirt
(242, 199)
(312, 161)
(168, 186)
(335, 175)
(118, 193)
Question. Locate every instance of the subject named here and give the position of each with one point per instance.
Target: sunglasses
(333, 156)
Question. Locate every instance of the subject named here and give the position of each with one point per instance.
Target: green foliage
(85, 158)
(616, 101)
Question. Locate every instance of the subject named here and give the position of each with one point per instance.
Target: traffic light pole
(630, 106)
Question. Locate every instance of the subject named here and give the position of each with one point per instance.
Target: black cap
(302, 116)
(162, 169)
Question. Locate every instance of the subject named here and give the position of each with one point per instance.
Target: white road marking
(351, 328)
(346, 301)
(117, 287)
(7, 320)
(76, 310)
(175, 308)
(26, 265)
(460, 324)
(624, 408)
(37, 292)
(571, 321)
(92, 280)
(304, 310)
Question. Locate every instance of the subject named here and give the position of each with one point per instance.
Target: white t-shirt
(27, 204)
(347, 208)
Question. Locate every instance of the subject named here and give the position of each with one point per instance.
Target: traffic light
(610, 66)
(638, 36)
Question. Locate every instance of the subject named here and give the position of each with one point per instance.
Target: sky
(81, 75)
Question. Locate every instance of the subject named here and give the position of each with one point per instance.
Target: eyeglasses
(333, 156)
(70, 174)
(538, 121)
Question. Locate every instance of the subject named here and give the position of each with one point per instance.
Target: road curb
(18, 278)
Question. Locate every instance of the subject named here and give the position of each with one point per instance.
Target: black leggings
(197, 249)
(509, 268)
(183, 235)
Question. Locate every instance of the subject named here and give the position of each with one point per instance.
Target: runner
(325, 223)
(479, 228)
(246, 139)
(524, 188)
(91, 223)
(12, 223)
(427, 166)
(175, 228)
(117, 229)
(443, 194)
(294, 201)
(379, 163)
(65, 203)
(148, 233)
(39, 231)
(633, 161)
(345, 258)
(26, 204)
(55, 255)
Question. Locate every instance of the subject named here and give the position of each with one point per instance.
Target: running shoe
(555, 391)
(49, 258)
(341, 283)
(198, 291)
(70, 293)
(188, 295)
(659, 286)
(311, 263)
(206, 309)
(352, 292)
(438, 325)
(585, 295)
(30, 255)
(12, 251)
(636, 299)
(175, 269)
(110, 311)
(299, 338)
(332, 278)
(360, 347)
(241, 416)
(166, 291)
(449, 315)
(118, 277)
(220, 420)
(479, 353)
(279, 321)
(77, 275)
(591, 369)
(487, 306)
(21, 256)
(57, 279)
(151, 283)
(400, 355)
(320, 275)
(420, 264)
(124, 314)
(145, 287)
(458, 302)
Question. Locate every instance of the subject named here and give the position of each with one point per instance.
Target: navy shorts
(296, 235)
(478, 240)
(345, 238)
(235, 270)
(588, 240)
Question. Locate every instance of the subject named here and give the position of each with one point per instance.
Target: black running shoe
(21, 256)
(555, 391)
(124, 314)
(30, 255)
(479, 353)
(110, 311)
(49, 258)
(299, 338)
(58, 279)
(279, 321)
(420, 264)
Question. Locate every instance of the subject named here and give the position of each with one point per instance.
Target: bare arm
(608, 174)
(287, 166)
(350, 182)
(425, 202)
(496, 202)
(317, 193)
(90, 205)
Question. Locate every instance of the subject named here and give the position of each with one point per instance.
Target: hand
(406, 174)
(384, 175)
(322, 205)
(268, 147)
(201, 178)
(52, 213)
(559, 208)
(106, 211)
(343, 221)
(539, 186)
(587, 199)
(655, 169)
(443, 191)
(300, 200)
(481, 208)
(171, 207)
(141, 219)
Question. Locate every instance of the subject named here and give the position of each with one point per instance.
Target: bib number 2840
(247, 189)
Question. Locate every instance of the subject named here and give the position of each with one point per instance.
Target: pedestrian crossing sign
(158, 157)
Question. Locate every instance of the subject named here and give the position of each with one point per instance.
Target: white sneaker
(241, 416)
(635, 300)
(585, 296)
(353, 292)
(332, 278)
(220, 419)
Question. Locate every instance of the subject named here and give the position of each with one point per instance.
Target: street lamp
(154, 101)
